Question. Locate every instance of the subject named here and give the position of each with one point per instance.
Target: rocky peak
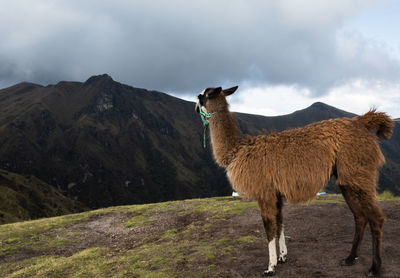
(99, 78)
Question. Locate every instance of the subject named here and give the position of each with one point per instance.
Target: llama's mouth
(199, 108)
(199, 104)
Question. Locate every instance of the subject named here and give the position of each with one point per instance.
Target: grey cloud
(183, 46)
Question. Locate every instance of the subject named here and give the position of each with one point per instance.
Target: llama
(295, 164)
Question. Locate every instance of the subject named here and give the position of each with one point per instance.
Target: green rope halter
(205, 119)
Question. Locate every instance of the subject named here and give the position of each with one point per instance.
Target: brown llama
(296, 163)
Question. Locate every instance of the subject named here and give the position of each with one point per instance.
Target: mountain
(26, 197)
(105, 143)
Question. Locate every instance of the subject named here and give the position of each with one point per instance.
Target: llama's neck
(225, 135)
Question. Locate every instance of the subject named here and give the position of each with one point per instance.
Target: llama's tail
(379, 122)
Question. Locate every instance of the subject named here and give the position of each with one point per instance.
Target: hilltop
(216, 237)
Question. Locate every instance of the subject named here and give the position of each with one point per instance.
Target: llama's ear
(213, 92)
(230, 91)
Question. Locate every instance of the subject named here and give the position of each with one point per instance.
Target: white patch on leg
(273, 261)
(282, 247)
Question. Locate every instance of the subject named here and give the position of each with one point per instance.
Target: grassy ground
(36, 242)
(191, 238)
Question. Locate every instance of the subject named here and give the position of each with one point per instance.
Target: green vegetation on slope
(25, 198)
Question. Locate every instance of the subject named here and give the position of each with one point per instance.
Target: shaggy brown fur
(296, 163)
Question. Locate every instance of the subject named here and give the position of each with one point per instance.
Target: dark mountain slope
(105, 143)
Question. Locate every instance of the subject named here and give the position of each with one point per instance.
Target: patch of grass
(160, 259)
(148, 209)
(11, 240)
(245, 239)
(328, 201)
(338, 198)
(87, 263)
(35, 242)
(224, 241)
(138, 220)
(21, 229)
(218, 208)
(209, 251)
(92, 262)
(228, 249)
(170, 234)
(387, 195)
(32, 234)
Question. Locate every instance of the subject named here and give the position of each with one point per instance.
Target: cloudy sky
(283, 54)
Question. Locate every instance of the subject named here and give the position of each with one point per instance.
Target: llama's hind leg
(360, 221)
(372, 214)
(375, 219)
(280, 231)
(269, 211)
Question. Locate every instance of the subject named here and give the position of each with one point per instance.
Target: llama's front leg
(268, 214)
(273, 261)
(280, 234)
(282, 247)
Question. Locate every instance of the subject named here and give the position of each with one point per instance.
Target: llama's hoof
(372, 272)
(269, 272)
(349, 261)
(281, 260)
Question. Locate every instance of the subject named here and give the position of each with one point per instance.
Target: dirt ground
(318, 237)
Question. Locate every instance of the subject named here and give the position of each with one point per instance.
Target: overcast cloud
(183, 46)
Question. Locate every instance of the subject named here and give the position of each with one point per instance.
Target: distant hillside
(252, 124)
(25, 198)
(104, 143)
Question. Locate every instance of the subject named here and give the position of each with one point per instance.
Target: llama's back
(298, 162)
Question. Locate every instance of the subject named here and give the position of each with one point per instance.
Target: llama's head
(213, 99)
